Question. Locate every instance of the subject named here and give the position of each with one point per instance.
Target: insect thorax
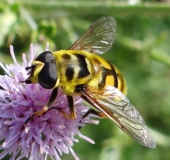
(74, 67)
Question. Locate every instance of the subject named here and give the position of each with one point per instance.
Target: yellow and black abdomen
(121, 81)
(106, 74)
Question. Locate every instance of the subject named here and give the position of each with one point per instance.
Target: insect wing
(98, 38)
(115, 105)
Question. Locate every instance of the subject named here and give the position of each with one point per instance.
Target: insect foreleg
(46, 107)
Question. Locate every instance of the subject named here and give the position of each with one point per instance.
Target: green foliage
(141, 51)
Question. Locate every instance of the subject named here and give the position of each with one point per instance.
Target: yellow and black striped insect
(79, 71)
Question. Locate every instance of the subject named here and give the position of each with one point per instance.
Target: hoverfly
(79, 70)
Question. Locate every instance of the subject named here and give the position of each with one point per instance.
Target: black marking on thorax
(75, 65)
(83, 72)
(69, 70)
(66, 57)
(69, 73)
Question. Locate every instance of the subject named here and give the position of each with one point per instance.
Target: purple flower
(48, 135)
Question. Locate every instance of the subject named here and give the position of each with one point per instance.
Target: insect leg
(91, 111)
(52, 97)
(46, 107)
(71, 107)
(72, 114)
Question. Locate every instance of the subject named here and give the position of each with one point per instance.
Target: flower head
(50, 134)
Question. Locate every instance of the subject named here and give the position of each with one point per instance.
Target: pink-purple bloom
(48, 135)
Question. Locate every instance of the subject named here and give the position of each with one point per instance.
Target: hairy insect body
(82, 68)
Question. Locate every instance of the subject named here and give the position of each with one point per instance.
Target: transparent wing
(98, 38)
(115, 105)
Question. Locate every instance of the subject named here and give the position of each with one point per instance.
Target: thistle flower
(48, 135)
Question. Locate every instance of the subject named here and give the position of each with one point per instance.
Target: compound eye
(48, 75)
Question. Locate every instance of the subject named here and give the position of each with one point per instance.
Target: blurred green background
(141, 51)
